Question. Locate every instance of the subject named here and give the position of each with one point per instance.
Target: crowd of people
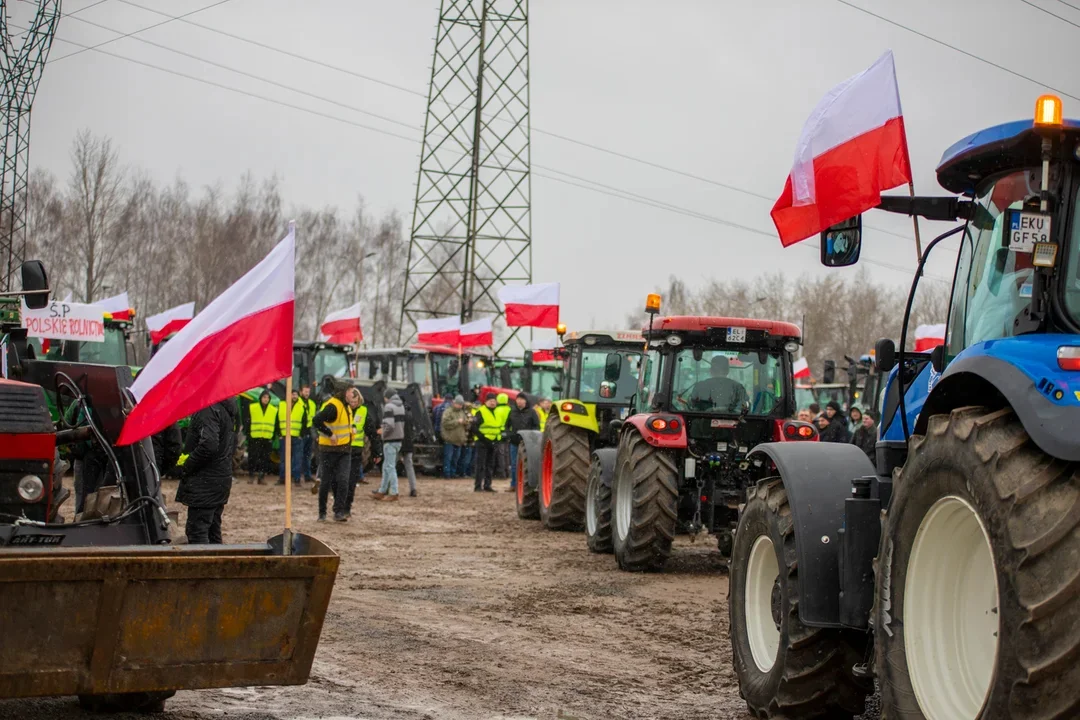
(856, 427)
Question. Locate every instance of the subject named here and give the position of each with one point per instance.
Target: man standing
(490, 426)
(206, 475)
(522, 417)
(363, 428)
(542, 409)
(437, 414)
(262, 419)
(454, 429)
(393, 432)
(299, 419)
(307, 433)
(335, 426)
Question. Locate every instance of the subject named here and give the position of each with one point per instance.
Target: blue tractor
(950, 571)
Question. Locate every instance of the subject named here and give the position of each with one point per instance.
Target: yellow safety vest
(262, 421)
(359, 420)
(310, 412)
(492, 422)
(543, 417)
(341, 427)
(297, 419)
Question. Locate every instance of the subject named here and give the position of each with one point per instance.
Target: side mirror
(528, 357)
(613, 367)
(937, 358)
(607, 389)
(556, 388)
(35, 283)
(884, 355)
(698, 354)
(828, 375)
(841, 243)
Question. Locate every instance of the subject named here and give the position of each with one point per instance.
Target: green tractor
(553, 465)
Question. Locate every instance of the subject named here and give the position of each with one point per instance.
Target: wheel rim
(590, 505)
(951, 619)
(545, 476)
(521, 478)
(762, 626)
(624, 503)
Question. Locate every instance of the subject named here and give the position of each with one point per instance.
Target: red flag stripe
(543, 355)
(338, 327)
(541, 316)
(175, 325)
(442, 337)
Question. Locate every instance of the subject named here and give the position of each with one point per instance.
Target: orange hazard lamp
(652, 303)
(1048, 111)
(560, 329)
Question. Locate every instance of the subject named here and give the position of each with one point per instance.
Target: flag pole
(915, 221)
(287, 535)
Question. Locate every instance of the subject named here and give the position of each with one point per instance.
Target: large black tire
(598, 501)
(138, 702)
(645, 503)
(528, 469)
(1028, 506)
(811, 675)
(564, 472)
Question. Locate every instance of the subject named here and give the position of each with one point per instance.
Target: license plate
(36, 539)
(736, 335)
(1026, 229)
(717, 423)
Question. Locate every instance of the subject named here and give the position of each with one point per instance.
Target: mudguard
(578, 414)
(817, 478)
(532, 442)
(606, 458)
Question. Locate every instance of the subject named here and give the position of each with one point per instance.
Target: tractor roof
(631, 337)
(1008, 146)
(319, 345)
(704, 323)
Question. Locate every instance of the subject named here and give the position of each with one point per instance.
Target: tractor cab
(600, 377)
(439, 370)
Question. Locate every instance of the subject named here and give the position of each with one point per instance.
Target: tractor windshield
(723, 381)
(592, 374)
(544, 378)
(331, 362)
(1072, 273)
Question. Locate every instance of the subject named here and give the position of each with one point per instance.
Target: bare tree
(97, 203)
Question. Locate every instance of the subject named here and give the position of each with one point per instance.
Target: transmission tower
(21, 62)
(472, 222)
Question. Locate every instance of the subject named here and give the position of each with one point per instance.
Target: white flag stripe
(930, 331)
(268, 284)
(476, 327)
(856, 106)
(546, 344)
(435, 325)
(114, 304)
(350, 313)
(180, 312)
(540, 294)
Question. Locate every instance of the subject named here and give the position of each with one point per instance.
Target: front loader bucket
(103, 620)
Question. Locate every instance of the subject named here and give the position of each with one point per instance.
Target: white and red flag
(544, 350)
(172, 320)
(477, 333)
(439, 331)
(928, 337)
(342, 327)
(530, 305)
(241, 340)
(851, 149)
(118, 306)
(801, 369)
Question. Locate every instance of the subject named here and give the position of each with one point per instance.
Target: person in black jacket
(522, 417)
(408, 443)
(833, 425)
(168, 444)
(865, 437)
(206, 480)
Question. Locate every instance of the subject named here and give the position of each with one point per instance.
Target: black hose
(130, 510)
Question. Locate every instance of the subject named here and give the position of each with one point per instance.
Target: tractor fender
(817, 478)
(577, 414)
(532, 443)
(606, 458)
(665, 441)
(982, 379)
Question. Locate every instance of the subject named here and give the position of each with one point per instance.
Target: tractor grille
(23, 409)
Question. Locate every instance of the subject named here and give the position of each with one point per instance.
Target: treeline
(841, 312)
(108, 228)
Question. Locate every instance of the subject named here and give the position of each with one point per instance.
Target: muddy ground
(448, 606)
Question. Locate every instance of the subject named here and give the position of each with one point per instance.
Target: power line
(1074, 7)
(1041, 9)
(959, 50)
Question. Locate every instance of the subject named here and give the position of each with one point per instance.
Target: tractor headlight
(791, 346)
(674, 340)
(31, 489)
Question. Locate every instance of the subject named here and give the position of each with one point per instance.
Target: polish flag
(342, 327)
(243, 339)
(531, 305)
(439, 331)
(544, 350)
(477, 333)
(928, 337)
(172, 320)
(118, 306)
(801, 369)
(851, 149)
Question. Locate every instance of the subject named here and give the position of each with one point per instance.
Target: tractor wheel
(598, 501)
(785, 669)
(978, 594)
(645, 502)
(564, 467)
(528, 498)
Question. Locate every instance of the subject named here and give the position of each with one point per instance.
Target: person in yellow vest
(543, 407)
(364, 431)
(334, 423)
(293, 436)
(307, 434)
(262, 421)
(490, 428)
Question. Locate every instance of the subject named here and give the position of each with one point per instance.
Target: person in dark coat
(168, 445)
(407, 445)
(206, 479)
(832, 425)
(522, 417)
(865, 437)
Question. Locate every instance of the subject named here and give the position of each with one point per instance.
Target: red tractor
(714, 388)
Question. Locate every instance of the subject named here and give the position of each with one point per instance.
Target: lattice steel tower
(472, 222)
(21, 66)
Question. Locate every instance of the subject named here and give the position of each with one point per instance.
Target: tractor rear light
(796, 431)
(806, 431)
(659, 424)
(665, 425)
(1068, 357)
(573, 407)
(31, 489)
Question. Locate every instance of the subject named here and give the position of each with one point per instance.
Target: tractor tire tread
(655, 506)
(570, 450)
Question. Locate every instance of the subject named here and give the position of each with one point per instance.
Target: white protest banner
(65, 321)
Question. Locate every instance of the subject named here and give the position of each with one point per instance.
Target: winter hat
(458, 400)
(834, 405)
(390, 392)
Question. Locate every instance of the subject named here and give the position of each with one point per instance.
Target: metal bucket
(102, 620)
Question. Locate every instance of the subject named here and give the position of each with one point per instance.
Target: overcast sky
(715, 88)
